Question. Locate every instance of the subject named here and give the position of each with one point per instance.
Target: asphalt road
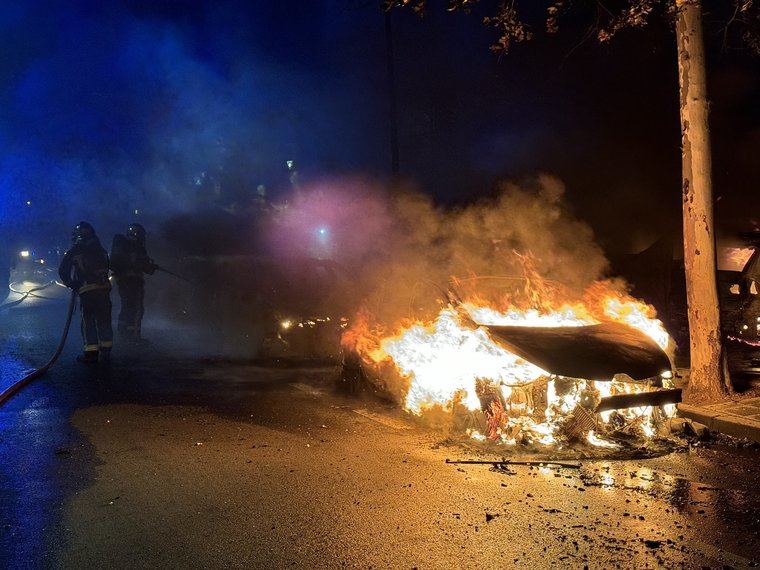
(174, 459)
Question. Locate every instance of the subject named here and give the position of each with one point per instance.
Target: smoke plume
(404, 252)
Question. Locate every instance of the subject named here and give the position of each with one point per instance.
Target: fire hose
(9, 392)
(6, 394)
(26, 294)
(177, 275)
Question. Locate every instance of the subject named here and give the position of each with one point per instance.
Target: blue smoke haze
(108, 107)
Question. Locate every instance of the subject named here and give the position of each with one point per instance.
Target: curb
(716, 418)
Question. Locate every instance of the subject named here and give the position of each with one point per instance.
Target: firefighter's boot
(89, 357)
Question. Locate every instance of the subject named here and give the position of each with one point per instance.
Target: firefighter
(84, 268)
(129, 262)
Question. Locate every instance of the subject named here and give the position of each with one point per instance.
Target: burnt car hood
(592, 352)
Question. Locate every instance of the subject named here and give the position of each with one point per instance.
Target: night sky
(111, 106)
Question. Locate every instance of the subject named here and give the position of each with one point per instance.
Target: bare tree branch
(509, 25)
(506, 19)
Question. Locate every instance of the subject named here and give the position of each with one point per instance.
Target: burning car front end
(587, 371)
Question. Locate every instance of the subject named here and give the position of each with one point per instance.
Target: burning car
(542, 375)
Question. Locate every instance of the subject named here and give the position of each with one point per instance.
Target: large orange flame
(445, 361)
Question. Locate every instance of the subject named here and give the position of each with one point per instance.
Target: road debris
(503, 463)
(653, 398)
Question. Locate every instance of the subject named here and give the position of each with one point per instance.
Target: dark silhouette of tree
(709, 370)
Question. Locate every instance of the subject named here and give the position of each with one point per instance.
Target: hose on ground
(26, 294)
(8, 393)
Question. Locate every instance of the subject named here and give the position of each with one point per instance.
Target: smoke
(404, 252)
(348, 219)
(115, 110)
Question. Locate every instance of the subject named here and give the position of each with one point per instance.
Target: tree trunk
(709, 371)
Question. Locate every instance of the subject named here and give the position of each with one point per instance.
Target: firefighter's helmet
(83, 232)
(136, 232)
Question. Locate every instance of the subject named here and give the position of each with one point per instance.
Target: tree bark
(709, 371)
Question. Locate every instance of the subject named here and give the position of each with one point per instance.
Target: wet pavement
(176, 459)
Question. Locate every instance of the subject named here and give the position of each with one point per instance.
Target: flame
(446, 358)
(639, 316)
(450, 362)
(593, 439)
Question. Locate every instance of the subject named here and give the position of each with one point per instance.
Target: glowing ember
(452, 362)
